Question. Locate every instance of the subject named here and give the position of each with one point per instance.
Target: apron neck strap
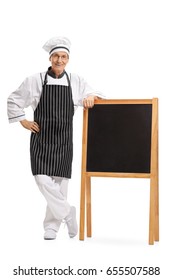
(45, 79)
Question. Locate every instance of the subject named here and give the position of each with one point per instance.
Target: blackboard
(119, 138)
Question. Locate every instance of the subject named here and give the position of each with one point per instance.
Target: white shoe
(50, 234)
(72, 222)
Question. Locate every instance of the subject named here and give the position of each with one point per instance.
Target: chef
(54, 95)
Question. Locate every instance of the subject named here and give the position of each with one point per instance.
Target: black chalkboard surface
(119, 138)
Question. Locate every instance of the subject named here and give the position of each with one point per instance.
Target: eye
(54, 55)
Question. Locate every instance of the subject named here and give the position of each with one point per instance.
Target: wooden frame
(85, 197)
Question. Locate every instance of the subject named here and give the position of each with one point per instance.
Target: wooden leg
(82, 208)
(88, 205)
(157, 213)
(152, 213)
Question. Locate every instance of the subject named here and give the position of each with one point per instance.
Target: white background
(124, 49)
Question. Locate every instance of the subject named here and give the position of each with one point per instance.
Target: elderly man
(53, 96)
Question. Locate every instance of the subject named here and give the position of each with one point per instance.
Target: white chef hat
(55, 44)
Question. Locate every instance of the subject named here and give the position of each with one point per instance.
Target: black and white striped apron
(51, 149)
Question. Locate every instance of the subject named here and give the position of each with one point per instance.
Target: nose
(59, 59)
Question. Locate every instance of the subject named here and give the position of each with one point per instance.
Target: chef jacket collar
(52, 74)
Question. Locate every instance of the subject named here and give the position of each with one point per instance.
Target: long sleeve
(26, 95)
(81, 89)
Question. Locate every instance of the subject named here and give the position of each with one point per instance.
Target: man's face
(59, 61)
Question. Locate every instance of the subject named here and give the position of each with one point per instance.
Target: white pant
(54, 189)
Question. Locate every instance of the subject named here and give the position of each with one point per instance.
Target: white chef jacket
(28, 94)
